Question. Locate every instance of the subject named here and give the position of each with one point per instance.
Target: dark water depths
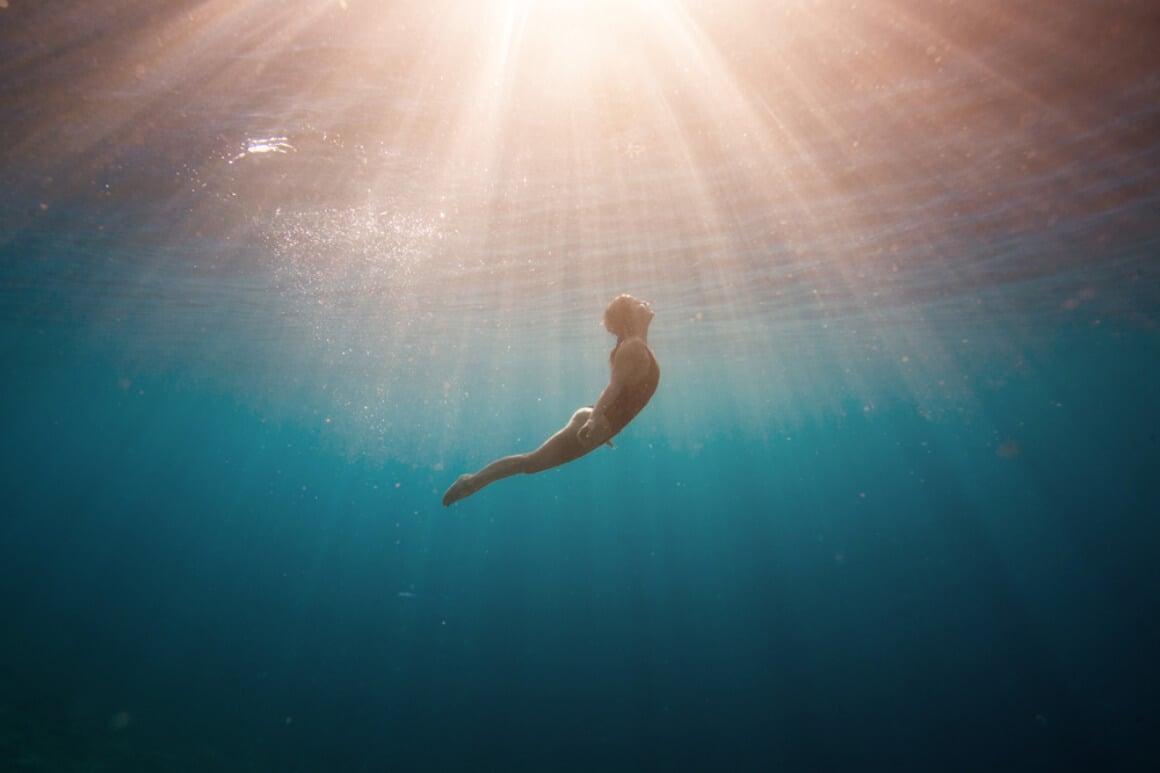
(273, 274)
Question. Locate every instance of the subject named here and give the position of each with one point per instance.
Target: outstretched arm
(630, 365)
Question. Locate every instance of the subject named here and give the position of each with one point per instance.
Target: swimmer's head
(627, 316)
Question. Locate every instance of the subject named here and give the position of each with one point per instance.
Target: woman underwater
(633, 381)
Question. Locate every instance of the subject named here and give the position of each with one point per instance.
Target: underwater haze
(274, 274)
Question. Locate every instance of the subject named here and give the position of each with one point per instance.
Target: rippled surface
(225, 185)
(903, 256)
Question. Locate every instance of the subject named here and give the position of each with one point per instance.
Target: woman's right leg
(467, 485)
(562, 447)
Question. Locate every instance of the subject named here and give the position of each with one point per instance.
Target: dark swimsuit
(632, 398)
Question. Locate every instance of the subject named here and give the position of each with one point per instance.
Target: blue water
(272, 275)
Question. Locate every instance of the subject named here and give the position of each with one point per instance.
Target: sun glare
(516, 160)
(554, 137)
(579, 98)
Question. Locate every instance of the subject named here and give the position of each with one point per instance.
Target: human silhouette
(633, 381)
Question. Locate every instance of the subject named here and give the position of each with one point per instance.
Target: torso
(633, 398)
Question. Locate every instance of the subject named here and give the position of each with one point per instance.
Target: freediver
(633, 381)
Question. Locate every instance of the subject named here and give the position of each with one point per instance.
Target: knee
(580, 417)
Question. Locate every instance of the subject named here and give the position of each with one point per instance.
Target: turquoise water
(272, 277)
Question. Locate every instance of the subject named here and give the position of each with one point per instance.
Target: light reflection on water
(400, 198)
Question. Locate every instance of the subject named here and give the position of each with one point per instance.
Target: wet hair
(618, 315)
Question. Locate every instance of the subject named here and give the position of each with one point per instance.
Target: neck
(641, 334)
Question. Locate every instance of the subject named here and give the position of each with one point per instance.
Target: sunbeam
(513, 161)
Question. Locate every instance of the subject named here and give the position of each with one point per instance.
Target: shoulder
(632, 356)
(632, 348)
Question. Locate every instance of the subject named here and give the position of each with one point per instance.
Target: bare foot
(459, 489)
